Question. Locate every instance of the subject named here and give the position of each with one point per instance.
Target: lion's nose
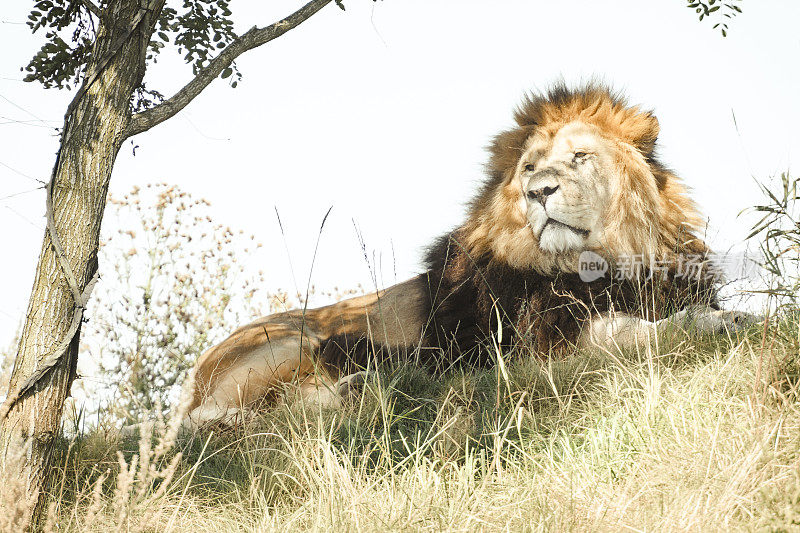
(541, 194)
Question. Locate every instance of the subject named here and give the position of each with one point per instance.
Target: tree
(111, 45)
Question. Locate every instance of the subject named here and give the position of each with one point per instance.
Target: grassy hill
(692, 434)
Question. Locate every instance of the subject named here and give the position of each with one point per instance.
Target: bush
(173, 283)
(778, 233)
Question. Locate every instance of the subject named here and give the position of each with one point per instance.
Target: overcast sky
(383, 112)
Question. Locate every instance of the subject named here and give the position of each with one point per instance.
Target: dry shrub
(173, 282)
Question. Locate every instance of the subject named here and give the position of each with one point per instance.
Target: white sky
(383, 111)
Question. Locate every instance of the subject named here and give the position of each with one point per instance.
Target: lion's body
(266, 354)
(577, 173)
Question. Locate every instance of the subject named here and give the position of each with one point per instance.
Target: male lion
(577, 174)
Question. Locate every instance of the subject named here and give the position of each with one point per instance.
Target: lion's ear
(642, 131)
(506, 149)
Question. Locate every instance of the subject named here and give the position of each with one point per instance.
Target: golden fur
(611, 197)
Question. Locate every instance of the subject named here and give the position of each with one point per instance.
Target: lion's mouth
(558, 224)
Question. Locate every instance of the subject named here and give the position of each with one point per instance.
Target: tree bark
(92, 137)
(97, 123)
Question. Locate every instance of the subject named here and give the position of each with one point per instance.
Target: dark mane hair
(544, 312)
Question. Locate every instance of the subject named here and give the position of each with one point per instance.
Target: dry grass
(700, 436)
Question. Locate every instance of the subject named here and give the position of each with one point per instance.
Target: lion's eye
(580, 155)
(530, 167)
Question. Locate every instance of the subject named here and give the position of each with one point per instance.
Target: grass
(691, 435)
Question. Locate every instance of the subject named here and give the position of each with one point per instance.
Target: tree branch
(253, 38)
(93, 8)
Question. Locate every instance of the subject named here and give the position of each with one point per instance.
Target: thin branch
(253, 38)
(93, 8)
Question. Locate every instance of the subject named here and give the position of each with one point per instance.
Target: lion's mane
(491, 266)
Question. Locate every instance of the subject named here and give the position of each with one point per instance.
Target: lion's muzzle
(550, 201)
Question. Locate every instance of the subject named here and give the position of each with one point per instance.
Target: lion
(576, 177)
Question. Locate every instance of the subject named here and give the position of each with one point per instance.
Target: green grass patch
(694, 435)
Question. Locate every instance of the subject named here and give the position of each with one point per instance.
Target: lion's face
(577, 173)
(566, 180)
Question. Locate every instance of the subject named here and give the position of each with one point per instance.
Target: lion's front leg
(705, 320)
(618, 330)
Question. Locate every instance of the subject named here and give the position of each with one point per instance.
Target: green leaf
(226, 73)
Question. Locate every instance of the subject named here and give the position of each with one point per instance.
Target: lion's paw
(352, 384)
(715, 322)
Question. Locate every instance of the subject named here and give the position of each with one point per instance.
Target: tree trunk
(93, 135)
(97, 123)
